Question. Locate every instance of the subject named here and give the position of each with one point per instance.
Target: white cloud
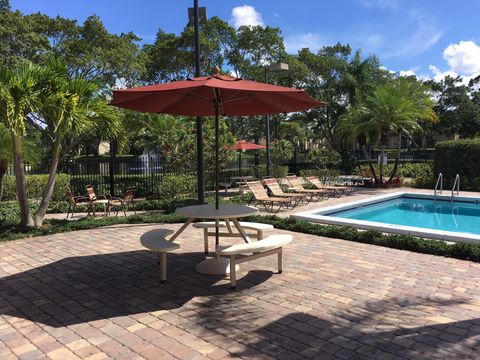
(246, 15)
(439, 75)
(307, 40)
(407, 73)
(463, 58)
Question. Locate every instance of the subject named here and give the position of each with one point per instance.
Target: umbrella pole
(217, 202)
(240, 163)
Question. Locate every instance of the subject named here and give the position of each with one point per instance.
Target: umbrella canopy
(242, 145)
(197, 96)
(214, 95)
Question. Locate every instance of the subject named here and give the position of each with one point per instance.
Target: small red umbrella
(214, 95)
(243, 145)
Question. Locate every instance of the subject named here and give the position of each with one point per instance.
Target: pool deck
(96, 295)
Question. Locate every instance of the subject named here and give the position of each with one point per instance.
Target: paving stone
(87, 295)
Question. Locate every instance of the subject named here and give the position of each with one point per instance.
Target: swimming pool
(406, 213)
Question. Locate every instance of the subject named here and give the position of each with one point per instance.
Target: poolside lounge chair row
(296, 194)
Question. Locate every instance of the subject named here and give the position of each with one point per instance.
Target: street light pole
(267, 132)
(276, 68)
(199, 120)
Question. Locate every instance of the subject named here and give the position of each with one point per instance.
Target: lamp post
(277, 67)
(194, 14)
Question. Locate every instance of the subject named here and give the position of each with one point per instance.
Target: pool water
(423, 213)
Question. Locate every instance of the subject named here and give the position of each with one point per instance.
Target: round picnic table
(227, 213)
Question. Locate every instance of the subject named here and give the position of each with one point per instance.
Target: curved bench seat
(271, 245)
(155, 240)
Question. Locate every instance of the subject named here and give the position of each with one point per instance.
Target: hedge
(10, 211)
(463, 251)
(459, 157)
(459, 250)
(55, 226)
(35, 186)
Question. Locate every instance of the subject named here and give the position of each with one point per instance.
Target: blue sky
(426, 37)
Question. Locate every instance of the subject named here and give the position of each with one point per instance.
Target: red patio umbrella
(214, 95)
(243, 145)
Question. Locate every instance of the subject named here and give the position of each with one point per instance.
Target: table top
(209, 211)
(247, 177)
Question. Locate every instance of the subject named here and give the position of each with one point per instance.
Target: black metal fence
(413, 155)
(114, 176)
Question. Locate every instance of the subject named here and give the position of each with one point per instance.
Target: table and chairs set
(222, 222)
(91, 202)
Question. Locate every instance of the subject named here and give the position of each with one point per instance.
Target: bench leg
(259, 234)
(205, 240)
(280, 260)
(163, 266)
(233, 272)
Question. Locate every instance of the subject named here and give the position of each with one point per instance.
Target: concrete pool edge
(319, 216)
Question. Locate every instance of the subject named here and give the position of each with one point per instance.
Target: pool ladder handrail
(439, 183)
(456, 185)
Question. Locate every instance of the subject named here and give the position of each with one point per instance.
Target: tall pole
(267, 131)
(111, 167)
(199, 121)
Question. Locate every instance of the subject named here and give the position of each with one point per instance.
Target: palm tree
(20, 91)
(66, 107)
(72, 107)
(394, 108)
(353, 125)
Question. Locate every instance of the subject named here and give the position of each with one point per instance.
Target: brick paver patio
(96, 294)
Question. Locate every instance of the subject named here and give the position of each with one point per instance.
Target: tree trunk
(3, 172)
(369, 161)
(384, 137)
(48, 191)
(382, 154)
(20, 182)
(397, 160)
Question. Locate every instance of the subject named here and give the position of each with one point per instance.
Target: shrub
(175, 187)
(10, 211)
(324, 157)
(59, 226)
(325, 175)
(281, 151)
(457, 157)
(276, 171)
(406, 170)
(347, 165)
(35, 186)
(460, 250)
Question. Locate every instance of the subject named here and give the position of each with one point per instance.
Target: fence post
(111, 170)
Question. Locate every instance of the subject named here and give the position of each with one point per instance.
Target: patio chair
(296, 184)
(77, 201)
(338, 190)
(117, 204)
(96, 199)
(274, 187)
(260, 197)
